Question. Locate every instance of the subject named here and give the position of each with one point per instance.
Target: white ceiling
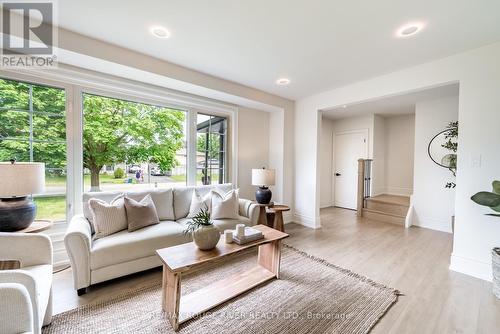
(318, 44)
(391, 106)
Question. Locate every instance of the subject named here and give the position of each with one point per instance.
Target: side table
(274, 209)
(278, 210)
(37, 226)
(262, 220)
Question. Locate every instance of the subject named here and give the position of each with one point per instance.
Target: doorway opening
(400, 182)
(348, 147)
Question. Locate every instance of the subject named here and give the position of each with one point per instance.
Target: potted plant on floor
(205, 234)
(492, 200)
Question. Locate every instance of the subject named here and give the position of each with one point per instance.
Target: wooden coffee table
(182, 259)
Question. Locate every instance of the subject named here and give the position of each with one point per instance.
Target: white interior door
(349, 147)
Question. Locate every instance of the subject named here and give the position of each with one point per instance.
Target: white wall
(253, 147)
(399, 152)
(379, 156)
(433, 204)
(86, 52)
(478, 73)
(356, 123)
(327, 150)
(390, 145)
(275, 158)
(177, 83)
(326, 163)
(258, 135)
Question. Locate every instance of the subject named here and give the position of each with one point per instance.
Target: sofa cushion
(222, 224)
(225, 206)
(162, 198)
(182, 197)
(108, 218)
(106, 196)
(127, 246)
(198, 203)
(140, 213)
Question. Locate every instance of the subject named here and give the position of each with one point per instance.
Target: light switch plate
(475, 161)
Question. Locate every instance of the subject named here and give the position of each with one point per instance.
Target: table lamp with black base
(18, 181)
(263, 178)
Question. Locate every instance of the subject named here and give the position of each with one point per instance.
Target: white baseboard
(378, 191)
(325, 205)
(471, 267)
(399, 191)
(433, 223)
(409, 217)
(287, 217)
(307, 221)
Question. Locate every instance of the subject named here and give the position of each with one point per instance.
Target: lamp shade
(21, 179)
(263, 177)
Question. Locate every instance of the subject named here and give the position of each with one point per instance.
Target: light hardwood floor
(414, 261)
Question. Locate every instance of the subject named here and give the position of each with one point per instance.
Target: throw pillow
(198, 203)
(140, 214)
(108, 218)
(107, 196)
(225, 206)
(162, 198)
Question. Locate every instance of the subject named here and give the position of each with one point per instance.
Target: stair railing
(364, 183)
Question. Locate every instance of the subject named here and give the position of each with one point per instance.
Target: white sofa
(26, 293)
(124, 253)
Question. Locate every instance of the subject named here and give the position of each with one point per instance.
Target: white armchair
(34, 252)
(15, 303)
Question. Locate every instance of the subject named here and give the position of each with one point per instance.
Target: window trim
(77, 81)
(141, 101)
(31, 112)
(71, 196)
(224, 162)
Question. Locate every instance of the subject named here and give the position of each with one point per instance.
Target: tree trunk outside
(94, 179)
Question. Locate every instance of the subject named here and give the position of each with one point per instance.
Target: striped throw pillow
(108, 218)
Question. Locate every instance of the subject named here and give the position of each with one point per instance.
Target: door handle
(337, 174)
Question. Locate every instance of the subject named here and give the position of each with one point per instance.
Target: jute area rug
(311, 296)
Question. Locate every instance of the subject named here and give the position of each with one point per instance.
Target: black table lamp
(19, 180)
(263, 178)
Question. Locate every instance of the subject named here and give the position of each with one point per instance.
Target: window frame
(225, 146)
(76, 82)
(141, 101)
(31, 113)
(70, 149)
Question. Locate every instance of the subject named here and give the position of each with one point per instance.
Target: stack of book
(251, 234)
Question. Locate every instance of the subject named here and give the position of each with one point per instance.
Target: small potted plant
(492, 200)
(205, 234)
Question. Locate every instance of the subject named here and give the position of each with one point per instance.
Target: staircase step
(392, 208)
(392, 204)
(384, 216)
(394, 199)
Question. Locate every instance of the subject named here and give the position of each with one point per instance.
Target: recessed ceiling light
(409, 29)
(344, 106)
(283, 82)
(160, 32)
